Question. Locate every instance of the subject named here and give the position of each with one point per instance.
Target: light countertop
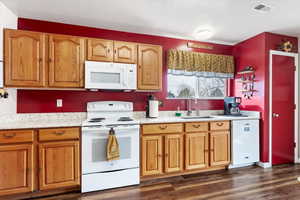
(52, 120)
(180, 119)
(39, 120)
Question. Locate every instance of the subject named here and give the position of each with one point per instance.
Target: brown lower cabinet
(184, 147)
(16, 169)
(39, 159)
(59, 164)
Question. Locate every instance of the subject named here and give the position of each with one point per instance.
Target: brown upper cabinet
(111, 51)
(34, 59)
(125, 52)
(100, 50)
(149, 67)
(25, 58)
(66, 61)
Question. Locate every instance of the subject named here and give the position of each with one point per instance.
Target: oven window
(105, 77)
(99, 149)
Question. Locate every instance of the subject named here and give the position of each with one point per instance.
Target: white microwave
(110, 76)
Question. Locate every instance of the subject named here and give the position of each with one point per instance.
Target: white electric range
(97, 172)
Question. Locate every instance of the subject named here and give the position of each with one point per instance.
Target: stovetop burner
(94, 120)
(124, 119)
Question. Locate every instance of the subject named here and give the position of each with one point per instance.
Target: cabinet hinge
(295, 106)
(295, 144)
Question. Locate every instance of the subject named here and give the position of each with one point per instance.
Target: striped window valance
(200, 64)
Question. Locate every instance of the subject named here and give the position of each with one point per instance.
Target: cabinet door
(24, 59)
(100, 50)
(125, 52)
(59, 164)
(219, 148)
(66, 60)
(149, 67)
(196, 151)
(16, 169)
(151, 155)
(173, 153)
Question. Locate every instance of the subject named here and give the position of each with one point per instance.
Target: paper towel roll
(153, 108)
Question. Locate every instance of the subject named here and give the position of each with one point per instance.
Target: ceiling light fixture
(203, 34)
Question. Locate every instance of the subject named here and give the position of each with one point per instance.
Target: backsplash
(41, 101)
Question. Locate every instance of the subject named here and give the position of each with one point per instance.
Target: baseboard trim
(264, 164)
(240, 165)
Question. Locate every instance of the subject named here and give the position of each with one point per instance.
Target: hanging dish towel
(112, 147)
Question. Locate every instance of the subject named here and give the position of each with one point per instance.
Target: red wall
(33, 101)
(255, 52)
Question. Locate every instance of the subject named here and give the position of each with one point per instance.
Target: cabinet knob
(220, 124)
(163, 127)
(59, 133)
(9, 135)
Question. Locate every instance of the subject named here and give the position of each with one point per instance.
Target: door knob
(275, 115)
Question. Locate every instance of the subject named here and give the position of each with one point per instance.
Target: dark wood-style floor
(253, 183)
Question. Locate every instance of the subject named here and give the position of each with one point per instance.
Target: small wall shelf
(246, 72)
(247, 79)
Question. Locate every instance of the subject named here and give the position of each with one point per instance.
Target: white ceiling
(231, 20)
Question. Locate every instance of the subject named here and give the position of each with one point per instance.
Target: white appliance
(245, 142)
(111, 76)
(97, 172)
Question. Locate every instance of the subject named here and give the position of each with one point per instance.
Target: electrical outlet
(59, 102)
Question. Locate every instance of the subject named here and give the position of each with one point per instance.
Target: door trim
(295, 56)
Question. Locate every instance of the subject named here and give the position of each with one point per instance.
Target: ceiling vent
(262, 8)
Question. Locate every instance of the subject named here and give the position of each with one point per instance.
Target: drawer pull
(59, 133)
(163, 127)
(196, 126)
(9, 135)
(220, 124)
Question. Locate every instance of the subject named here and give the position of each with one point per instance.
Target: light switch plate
(59, 102)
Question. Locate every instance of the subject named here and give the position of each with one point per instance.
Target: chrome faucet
(189, 107)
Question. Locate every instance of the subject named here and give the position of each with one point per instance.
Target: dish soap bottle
(178, 113)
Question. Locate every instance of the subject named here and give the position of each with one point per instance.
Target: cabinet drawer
(162, 128)
(221, 125)
(58, 134)
(16, 136)
(196, 126)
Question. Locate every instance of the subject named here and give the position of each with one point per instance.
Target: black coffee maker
(232, 106)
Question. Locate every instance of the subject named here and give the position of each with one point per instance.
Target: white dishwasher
(245, 142)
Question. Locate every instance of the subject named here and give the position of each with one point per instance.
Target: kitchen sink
(196, 117)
